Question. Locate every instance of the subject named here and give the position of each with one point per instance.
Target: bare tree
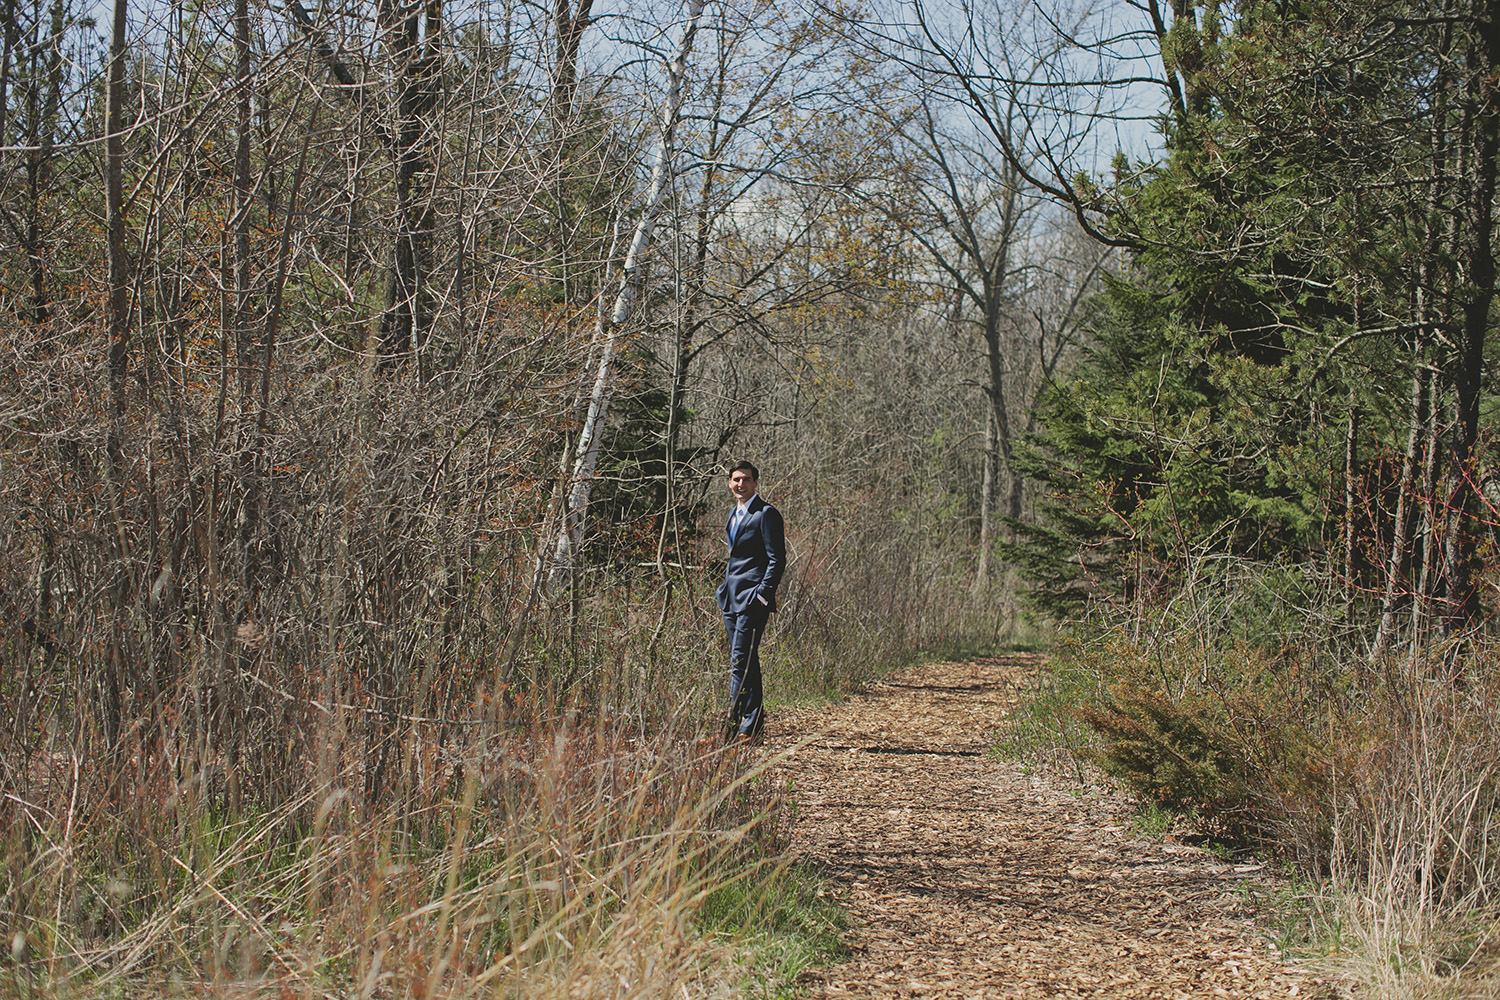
(967, 151)
(558, 567)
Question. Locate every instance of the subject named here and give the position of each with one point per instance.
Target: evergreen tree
(1310, 283)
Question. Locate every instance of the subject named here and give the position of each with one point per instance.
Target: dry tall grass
(1415, 868)
(288, 717)
(556, 856)
(1378, 789)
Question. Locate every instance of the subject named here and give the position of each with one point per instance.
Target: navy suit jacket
(757, 558)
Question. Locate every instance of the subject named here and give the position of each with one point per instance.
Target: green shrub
(1170, 750)
(1223, 737)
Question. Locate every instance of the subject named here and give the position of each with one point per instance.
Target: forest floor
(965, 875)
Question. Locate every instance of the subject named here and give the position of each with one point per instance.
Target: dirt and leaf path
(969, 876)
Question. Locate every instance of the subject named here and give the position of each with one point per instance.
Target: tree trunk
(403, 326)
(1004, 446)
(244, 302)
(244, 336)
(1401, 530)
(41, 117)
(119, 263)
(1351, 465)
(1460, 609)
(1425, 548)
(999, 452)
(119, 346)
(10, 40)
(559, 574)
(987, 500)
(570, 26)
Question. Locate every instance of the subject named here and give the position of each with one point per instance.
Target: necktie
(735, 522)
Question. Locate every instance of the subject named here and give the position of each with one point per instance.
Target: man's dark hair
(742, 464)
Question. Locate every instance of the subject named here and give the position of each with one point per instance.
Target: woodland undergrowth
(290, 719)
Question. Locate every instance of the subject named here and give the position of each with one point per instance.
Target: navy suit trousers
(746, 711)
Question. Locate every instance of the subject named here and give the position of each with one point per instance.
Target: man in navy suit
(757, 557)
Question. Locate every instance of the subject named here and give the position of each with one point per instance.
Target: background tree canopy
(1292, 365)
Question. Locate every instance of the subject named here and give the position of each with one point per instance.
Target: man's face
(742, 485)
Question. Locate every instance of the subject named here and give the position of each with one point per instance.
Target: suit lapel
(733, 537)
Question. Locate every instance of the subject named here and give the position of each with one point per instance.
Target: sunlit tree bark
(559, 566)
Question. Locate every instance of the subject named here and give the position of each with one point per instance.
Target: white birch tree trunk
(559, 569)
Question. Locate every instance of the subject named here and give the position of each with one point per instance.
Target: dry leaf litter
(969, 876)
